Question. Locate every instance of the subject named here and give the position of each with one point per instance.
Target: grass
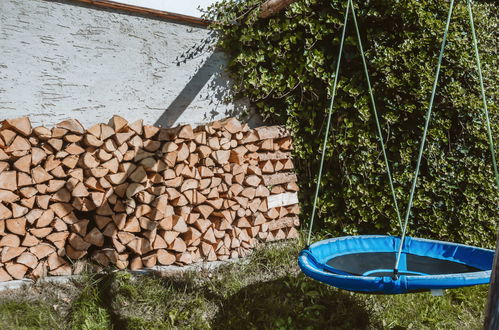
(27, 315)
(42, 306)
(265, 291)
(88, 311)
(459, 308)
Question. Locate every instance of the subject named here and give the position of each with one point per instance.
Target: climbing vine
(284, 65)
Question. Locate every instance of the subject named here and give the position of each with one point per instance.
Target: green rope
(423, 139)
(328, 125)
(378, 126)
(427, 120)
(484, 99)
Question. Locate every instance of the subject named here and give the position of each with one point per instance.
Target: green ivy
(285, 66)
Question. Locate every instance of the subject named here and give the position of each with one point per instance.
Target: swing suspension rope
(427, 120)
(423, 140)
(331, 106)
(484, 98)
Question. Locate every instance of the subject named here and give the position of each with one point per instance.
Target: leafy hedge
(285, 65)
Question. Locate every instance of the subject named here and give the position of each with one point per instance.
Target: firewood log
(178, 245)
(8, 180)
(149, 260)
(19, 145)
(4, 275)
(21, 125)
(279, 178)
(9, 253)
(132, 225)
(95, 237)
(16, 270)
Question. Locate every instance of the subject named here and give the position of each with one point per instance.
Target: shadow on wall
(218, 96)
(220, 88)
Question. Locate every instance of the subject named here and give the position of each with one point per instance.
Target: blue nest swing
(365, 264)
(390, 264)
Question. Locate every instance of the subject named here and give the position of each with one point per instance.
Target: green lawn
(265, 291)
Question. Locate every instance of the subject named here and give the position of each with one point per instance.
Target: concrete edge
(164, 270)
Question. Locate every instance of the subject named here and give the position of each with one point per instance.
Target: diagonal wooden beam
(272, 7)
(147, 11)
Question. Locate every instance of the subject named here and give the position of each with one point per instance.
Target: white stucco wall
(62, 60)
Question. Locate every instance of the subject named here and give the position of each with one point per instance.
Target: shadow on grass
(292, 302)
(149, 302)
(106, 300)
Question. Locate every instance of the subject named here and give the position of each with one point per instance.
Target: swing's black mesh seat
(377, 263)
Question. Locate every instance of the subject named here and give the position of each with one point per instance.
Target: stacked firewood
(132, 195)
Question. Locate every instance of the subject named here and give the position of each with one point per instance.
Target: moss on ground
(264, 291)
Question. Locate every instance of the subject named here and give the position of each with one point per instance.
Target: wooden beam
(272, 7)
(283, 199)
(148, 11)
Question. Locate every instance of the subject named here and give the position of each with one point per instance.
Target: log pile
(130, 195)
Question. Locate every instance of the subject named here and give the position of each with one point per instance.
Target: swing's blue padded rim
(312, 262)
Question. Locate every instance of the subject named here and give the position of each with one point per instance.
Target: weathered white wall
(62, 60)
